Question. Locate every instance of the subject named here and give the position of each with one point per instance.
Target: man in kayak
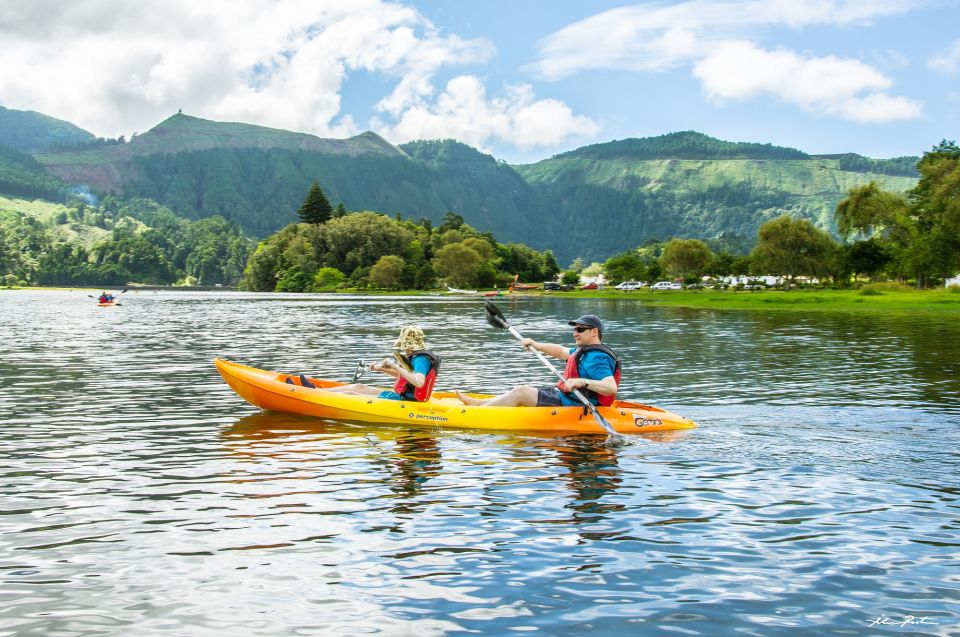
(415, 374)
(104, 297)
(592, 367)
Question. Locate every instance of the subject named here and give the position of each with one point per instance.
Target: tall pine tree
(315, 208)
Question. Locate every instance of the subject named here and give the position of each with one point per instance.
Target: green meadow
(878, 297)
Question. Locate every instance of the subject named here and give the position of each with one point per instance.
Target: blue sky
(522, 80)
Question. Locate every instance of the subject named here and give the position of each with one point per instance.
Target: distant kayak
(277, 391)
(459, 291)
(108, 304)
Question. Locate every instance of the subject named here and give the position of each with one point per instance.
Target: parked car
(590, 286)
(666, 285)
(551, 285)
(629, 285)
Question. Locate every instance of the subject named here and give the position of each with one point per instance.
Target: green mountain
(29, 131)
(682, 145)
(617, 195)
(258, 176)
(591, 202)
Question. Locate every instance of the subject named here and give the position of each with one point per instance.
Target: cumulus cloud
(114, 67)
(714, 38)
(948, 60)
(847, 88)
(463, 111)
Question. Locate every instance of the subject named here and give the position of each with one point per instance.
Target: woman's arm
(390, 368)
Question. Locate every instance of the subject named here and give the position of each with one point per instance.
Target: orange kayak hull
(277, 391)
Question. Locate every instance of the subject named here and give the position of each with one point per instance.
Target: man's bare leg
(522, 396)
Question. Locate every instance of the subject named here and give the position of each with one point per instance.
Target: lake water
(140, 496)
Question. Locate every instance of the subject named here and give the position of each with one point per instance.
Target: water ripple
(141, 496)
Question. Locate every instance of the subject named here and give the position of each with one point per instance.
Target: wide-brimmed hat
(411, 337)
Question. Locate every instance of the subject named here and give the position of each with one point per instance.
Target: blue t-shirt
(593, 365)
(421, 365)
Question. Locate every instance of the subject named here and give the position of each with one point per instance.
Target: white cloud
(713, 38)
(948, 60)
(641, 37)
(464, 112)
(846, 88)
(114, 67)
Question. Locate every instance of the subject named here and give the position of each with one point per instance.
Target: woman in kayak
(415, 374)
(592, 367)
(104, 297)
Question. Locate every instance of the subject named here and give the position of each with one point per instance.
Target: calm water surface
(140, 496)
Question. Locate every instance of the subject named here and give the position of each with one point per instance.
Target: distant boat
(494, 293)
(459, 291)
(526, 286)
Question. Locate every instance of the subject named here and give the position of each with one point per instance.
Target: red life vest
(572, 370)
(407, 389)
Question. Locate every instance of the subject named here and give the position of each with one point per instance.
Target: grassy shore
(879, 298)
(866, 299)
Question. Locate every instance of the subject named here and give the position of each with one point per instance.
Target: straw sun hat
(410, 338)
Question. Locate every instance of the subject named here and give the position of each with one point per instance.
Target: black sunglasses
(580, 329)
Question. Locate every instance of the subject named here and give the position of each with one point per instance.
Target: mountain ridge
(30, 131)
(590, 202)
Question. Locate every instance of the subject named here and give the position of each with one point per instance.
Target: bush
(876, 289)
(294, 280)
(328, 279)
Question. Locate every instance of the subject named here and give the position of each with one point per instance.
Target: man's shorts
(548, 396)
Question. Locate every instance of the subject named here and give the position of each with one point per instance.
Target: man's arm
(606, 386)
(550, 349)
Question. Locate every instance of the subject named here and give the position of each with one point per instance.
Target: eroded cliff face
(103, 178)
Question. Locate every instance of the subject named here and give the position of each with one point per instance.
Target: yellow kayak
(283, 392)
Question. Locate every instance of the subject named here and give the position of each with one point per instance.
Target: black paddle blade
(495, 316)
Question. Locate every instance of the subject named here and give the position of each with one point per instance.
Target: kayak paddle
(359, 371)
(496, 319)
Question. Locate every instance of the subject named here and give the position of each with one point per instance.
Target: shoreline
(940, 301)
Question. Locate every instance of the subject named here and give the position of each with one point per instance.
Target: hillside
(29, 131)
(108, 168)
(616, 200)
(590, 202)
(258, 176)
(681, 145)
(22, 175)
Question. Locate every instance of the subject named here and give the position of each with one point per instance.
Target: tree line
(912, 237)
(139, 241)
(332, 248)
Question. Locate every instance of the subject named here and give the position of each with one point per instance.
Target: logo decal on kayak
(640, 421)
(428, 417)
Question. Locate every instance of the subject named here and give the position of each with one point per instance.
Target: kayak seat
(289, 381)
(306, 382)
